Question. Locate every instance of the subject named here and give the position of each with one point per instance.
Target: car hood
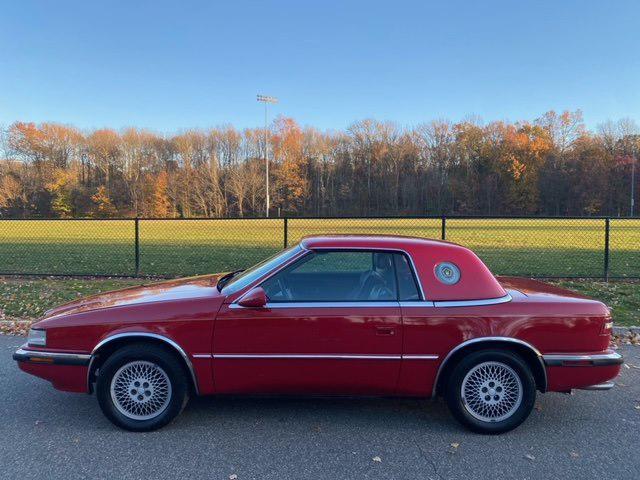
(185, 288)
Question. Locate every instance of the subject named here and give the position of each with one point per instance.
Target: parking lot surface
(49, 434)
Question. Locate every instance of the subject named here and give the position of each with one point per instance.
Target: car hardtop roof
(476, 282)
(374, 241)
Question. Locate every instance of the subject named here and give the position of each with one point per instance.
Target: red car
(333, 315)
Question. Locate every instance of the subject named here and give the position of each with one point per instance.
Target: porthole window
(448, 273)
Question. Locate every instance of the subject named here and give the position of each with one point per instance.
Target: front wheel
(491, 391)
(142, 387)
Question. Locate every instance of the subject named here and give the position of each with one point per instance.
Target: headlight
(37, 338)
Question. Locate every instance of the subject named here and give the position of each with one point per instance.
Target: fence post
(286, 232)
(443, 234)
(137, 245)
(606, 249)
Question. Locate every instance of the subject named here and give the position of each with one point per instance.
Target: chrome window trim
(488, 339)
(454, 303)
(416, 303)
(167, 340)
(405, 304)
(363, 304)
(314, 356)
(597, 359)
(473, 303)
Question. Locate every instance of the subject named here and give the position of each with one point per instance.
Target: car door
(332, 326)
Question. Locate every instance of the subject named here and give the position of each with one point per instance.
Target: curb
(625, 331)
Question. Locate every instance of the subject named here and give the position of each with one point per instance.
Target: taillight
(607, 326)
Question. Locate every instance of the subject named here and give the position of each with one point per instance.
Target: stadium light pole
(266, 100)
(633, 179)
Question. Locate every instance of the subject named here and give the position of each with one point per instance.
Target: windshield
(250, 275)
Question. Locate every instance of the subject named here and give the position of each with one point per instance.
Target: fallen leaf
(233, 476)
(574, 454)
(538, 407)
(377, 459)
(454, 445)
(637, 407)
(529, 456)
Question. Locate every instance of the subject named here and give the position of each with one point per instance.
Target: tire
(142, 387)
(491, 391)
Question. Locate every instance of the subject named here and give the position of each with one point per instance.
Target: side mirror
(254, 298)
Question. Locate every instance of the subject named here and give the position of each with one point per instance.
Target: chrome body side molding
(412, 356)
(286, 356)
(489, 339)
(314, 356)
(155, 336)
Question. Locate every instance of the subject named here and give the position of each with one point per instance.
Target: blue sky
(168, 66)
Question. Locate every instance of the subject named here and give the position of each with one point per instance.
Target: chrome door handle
(385, 331)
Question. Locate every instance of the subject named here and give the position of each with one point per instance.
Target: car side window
(336, 276)
(407, 287)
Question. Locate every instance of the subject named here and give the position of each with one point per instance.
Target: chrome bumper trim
(56, 358)
(600, 387)
(572, 360)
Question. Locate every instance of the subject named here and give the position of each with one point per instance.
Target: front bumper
(46, 357)
(66, 371)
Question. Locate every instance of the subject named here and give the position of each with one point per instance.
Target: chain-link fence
(535, 247)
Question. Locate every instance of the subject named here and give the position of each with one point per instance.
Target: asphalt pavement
(46, 434)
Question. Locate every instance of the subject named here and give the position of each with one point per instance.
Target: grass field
(529, 247)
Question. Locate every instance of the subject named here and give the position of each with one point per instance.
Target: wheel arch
(110, 344)
(528, 352)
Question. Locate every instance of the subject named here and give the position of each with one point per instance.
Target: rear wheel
(491, 391)
(142, 387)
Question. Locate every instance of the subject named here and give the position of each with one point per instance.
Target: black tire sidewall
(151, 353)
(456, 404)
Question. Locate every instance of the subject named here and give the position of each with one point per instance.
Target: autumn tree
(291, 175)
(160, 201)
(102, 205)
(553, 165)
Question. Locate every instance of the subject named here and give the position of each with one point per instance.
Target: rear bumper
(66, 371)
(583, 360)
(589, 371)
(600, 386)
